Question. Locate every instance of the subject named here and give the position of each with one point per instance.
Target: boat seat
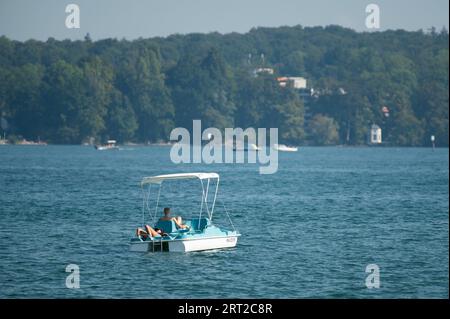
(167, 226)
(199, 224)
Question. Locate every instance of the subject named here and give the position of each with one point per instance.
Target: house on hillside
(258, 71)
(296, 82)
(375, 135)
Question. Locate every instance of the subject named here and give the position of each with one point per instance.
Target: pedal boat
(201, 233)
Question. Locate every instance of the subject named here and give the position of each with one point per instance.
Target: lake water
(309, 230)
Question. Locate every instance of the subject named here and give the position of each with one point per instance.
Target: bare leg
(151, 231)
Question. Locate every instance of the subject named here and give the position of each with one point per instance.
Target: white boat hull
(284, 148)
(106, 148)
(140, 246)
(202, 244)
(187, 245)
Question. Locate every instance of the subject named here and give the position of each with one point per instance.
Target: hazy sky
(40, 19)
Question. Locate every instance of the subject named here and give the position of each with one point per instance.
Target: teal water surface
(308, 231)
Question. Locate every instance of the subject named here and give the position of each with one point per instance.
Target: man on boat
(156, 232)
(177, 220)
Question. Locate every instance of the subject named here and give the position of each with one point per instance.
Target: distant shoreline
(168, 145)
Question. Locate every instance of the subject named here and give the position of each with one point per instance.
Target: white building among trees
(375, 134)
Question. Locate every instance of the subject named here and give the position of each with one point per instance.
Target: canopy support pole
(215, 197)
(157, 203)
(201, 205)
(143, 205)
(206, 199)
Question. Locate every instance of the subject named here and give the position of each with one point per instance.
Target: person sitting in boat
(177, 220)
(149, 231)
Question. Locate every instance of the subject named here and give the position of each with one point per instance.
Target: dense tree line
(77, 91)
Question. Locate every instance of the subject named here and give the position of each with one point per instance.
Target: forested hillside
(79, 91)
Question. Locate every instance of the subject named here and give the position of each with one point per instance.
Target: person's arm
(176, 222)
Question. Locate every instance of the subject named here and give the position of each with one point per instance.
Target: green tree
(141, 80)
(96, 93)
(121, 122)
(24, 100)
(323, 130)
(62, 97)
(202, 88)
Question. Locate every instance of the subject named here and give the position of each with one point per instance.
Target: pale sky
(131, 19)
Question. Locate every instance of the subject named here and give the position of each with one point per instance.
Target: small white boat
(201, 233)
(250, 147)
(110, 145)
(284, 148)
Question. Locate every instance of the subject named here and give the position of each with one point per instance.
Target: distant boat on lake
(110, 145)
(26, 142)
(284, 148)
(249, 147)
